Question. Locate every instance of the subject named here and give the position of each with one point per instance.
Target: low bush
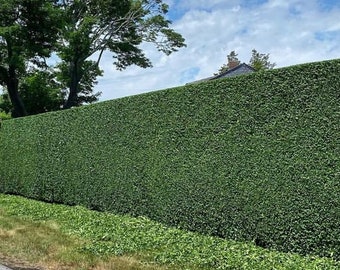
(250, 158)
(4, 116)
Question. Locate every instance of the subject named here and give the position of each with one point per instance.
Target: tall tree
(232, 61)
(119, 26)
(260, 61)
(82, 79)
(28, 30)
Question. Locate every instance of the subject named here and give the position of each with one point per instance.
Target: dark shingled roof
(236, 71)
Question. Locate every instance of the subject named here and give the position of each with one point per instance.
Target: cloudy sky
(291, 31)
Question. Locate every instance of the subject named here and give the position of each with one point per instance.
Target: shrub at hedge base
(251, 158)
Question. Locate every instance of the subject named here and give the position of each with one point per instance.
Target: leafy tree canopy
(260, 61)
(28, 33)
(79, 32)
(118, 26)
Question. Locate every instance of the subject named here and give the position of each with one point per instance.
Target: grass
(62, 237)
(31, 244)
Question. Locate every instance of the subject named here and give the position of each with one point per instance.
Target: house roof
(238, 70)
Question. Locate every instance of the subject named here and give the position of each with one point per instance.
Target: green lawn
(94, 238)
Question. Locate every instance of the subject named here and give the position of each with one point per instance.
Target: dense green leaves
(251, 158)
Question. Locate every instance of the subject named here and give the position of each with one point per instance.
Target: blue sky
(328, 5)
(291, 31)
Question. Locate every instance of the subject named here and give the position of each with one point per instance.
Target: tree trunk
(73, 87)
(12, 84)
(13, 92)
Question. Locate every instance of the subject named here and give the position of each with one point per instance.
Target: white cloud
(292, 31)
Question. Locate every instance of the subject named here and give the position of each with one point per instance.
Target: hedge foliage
(253, 158)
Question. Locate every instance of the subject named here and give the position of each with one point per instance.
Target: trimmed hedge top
(253, 158)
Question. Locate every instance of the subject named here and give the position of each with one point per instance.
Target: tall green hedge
(254, 158)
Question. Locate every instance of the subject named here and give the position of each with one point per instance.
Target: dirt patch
(16, 264)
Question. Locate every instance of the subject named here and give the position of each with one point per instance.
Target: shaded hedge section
(250, 158)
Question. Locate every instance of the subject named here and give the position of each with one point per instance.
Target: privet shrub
(250, 158)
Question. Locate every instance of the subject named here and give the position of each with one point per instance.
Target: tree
(84, 30)
(87, 79)
(3, 113)
(260, 61)
(39, 91)
(119, 26)
(232, 62)
(5, 104)
(27, 34)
